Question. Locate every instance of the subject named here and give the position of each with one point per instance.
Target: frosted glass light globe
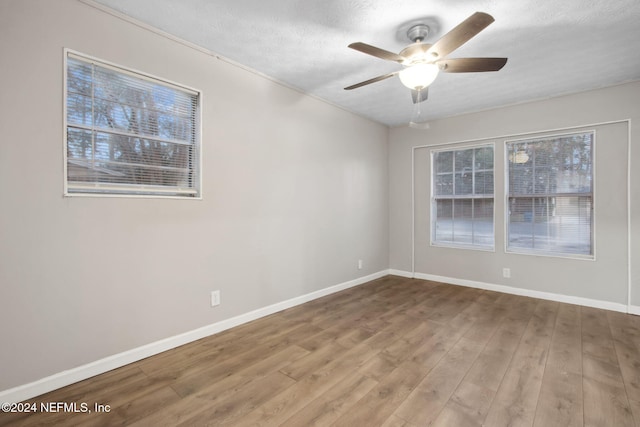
(419, 76)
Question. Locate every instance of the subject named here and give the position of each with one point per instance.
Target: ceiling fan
(422, 61)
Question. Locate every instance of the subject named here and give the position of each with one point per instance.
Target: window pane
(464, 160)
(484, 158)
(551, 224)
(484, 183)
(79, 111)
(444, 184)
(443, 161)
(464, 221)
(464, 183)
(126, 160)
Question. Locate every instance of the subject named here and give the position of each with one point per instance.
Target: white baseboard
(401, 273)
(607, 305)
(61, 379)
(634, 309)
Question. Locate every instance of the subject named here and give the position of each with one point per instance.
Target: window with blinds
(462, 197)
(550, 195)
(128, 133)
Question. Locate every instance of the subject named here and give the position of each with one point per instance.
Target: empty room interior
(320, 213)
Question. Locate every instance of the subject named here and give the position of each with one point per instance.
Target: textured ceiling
(554, 47)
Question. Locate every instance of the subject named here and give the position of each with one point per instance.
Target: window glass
(128, 133)
(550, 195)
(462, 203)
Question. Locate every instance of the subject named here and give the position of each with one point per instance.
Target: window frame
(193, 192)
(507, 196)
(434, 197)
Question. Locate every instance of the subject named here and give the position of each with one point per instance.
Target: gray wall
(606, 278)
(295, 192)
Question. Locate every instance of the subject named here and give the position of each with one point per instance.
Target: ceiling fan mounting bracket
(418, 33)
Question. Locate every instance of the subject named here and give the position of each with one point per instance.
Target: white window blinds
(550, 195)
(128, 133)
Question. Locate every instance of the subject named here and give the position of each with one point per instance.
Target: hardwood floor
(392, 352)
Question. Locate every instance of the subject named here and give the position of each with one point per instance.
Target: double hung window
(129, 133)
(462, 197)
(550, 195)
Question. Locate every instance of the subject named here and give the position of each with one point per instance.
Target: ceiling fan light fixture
(418, 76)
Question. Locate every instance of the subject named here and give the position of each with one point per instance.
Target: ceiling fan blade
(377, 52)
(420, 95)
(471, 65)
(373, 80)
(460, 34)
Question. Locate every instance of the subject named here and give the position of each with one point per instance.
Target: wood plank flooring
(392, 352)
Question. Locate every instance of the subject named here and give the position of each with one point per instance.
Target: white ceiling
(554, 46)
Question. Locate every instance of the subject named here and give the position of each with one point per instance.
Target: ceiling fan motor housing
(415, 53)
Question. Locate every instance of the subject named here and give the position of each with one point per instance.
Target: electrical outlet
(359, 264)
(215, 298)
(506, 272)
